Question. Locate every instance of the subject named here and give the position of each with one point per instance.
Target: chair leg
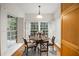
(24, 50)
(47, 53)
(35, 48)
(40, 53)
(32, 49)
(38, 50)
(27, 52)
(53, 47)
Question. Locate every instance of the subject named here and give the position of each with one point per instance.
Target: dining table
(37, 39)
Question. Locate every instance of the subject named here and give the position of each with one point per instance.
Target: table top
(39, 38)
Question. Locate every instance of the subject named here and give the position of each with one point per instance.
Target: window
(44, 27)
(34, 28)
(12, 28)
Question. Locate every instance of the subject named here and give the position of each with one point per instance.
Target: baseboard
(58, 45)
(58, 49)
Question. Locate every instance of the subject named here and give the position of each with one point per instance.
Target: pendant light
(39, 16)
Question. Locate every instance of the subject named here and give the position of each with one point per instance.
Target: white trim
(58, 45)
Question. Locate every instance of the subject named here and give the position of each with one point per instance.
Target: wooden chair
(28, 45)
(53, 42)
(43, 47)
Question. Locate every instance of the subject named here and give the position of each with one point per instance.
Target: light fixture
(39, 16)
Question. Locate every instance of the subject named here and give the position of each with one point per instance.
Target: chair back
(53, 39)
(25, 41)
(43, 44)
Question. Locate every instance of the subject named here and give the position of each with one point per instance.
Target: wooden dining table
(37, 39)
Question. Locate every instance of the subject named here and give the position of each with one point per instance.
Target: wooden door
(70, 30)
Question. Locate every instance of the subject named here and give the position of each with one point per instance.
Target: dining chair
(28, 45)
(43, 47)
(52, 42)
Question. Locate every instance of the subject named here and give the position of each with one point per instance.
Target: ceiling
(33, 7)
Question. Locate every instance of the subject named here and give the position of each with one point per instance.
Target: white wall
(0, 30)
(20, 30)
(51, 28)
(5, 10)
(58, 26)
(3, 29)
(46, 18)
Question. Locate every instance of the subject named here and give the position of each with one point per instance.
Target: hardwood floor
(20, 52)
